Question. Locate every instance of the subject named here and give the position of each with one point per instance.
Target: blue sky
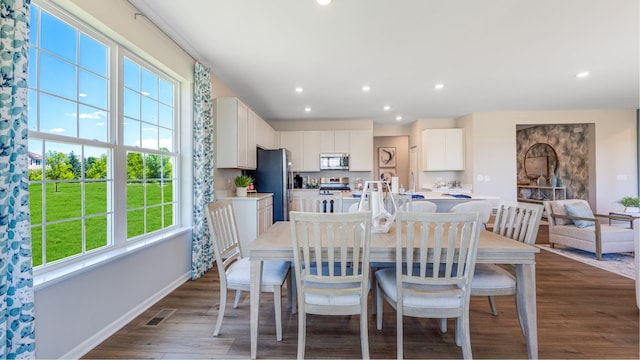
(71, 69)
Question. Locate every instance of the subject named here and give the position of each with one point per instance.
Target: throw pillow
(558, 208)
(580, 209)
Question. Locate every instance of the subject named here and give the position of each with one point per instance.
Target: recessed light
(324, 2)
(439, 86)
(307, 109)
(299, 89)
(582, 74)
(387, 107)
(366, 88)
(398, 118)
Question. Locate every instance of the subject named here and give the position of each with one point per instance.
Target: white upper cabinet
(292, 140)
(266, 136)
(311, 141)
(443, 149)
(236, 135)
(360, 150)
(342, 141)
(334, 142)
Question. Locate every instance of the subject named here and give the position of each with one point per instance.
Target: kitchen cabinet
(254, 215)
(292, 140)
(443, 149)
(361, 150)
(311, 150)
(266, 136)
(334, 142)
(304, 147)
(236, 134)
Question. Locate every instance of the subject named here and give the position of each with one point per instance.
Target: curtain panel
(203, 164)
(17, 337)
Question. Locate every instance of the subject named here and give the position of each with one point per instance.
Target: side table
(630, 215)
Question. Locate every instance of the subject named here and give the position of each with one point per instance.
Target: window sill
(49, 276)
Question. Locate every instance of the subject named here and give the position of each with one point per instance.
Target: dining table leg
(254, 292)
(526, 306)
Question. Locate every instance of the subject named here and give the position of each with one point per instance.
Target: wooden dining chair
(234, 268)
(435, 261)
(419, 205)
(331, 261)
(482, 206)
(516, 220)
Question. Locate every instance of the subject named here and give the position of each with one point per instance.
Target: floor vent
(161, 316)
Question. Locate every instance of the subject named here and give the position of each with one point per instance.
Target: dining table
(276, 244)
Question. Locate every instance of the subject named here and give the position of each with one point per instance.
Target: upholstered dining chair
(331, 261)
(433, 282)
(516, 220)
(419, 205)
(234, 268)
(482, 206)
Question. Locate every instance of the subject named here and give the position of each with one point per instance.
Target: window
(79, 132)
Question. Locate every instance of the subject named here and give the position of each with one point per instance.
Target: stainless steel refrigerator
(273, 175)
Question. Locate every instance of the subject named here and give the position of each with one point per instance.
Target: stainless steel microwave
(334, 161)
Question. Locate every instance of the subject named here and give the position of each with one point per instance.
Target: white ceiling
(491, 55)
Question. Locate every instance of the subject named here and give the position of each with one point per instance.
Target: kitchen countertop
(249, 197)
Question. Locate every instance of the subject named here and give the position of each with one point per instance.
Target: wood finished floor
(583, 313)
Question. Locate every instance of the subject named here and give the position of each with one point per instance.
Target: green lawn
(65, 208)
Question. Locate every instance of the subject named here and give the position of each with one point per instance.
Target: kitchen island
(346, 199)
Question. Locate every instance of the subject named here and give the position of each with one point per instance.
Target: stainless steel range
(330, 185)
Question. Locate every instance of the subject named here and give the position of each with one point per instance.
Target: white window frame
(117, 242)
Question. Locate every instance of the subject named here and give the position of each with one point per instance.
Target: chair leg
(379, 303)
(294, 293)
(492, 305)
(364, 332)
(465, 336)
(399, 315)
(374, 298)
(302, 329)
(277, 303)
(221, 308)
(443, 325)
(237, 300)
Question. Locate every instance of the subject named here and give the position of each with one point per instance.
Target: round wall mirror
(540, 160)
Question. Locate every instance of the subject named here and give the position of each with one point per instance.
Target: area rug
(622, 264)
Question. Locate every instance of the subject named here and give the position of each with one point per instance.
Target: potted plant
(241, 182)
(630, 203)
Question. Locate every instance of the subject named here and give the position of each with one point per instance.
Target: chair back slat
(224, 234)
(439, 250)
(518, 220)
(330, 249)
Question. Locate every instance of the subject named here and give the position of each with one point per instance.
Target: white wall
(493, 154)
(76, 312)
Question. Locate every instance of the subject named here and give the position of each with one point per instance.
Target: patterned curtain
(202, 256)
(17, 337)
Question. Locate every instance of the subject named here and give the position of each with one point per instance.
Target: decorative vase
(631, 209)
(553, 180)
(241, 191)
(541, 181)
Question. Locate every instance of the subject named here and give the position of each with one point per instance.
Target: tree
(153, 165)
(75, 164)
(97, 168)
(135, 166)
(58, 167)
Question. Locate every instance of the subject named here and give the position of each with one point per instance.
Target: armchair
(599, 238)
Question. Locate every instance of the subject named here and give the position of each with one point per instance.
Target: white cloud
(94, 115)
(57, 130)
(100, 124)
